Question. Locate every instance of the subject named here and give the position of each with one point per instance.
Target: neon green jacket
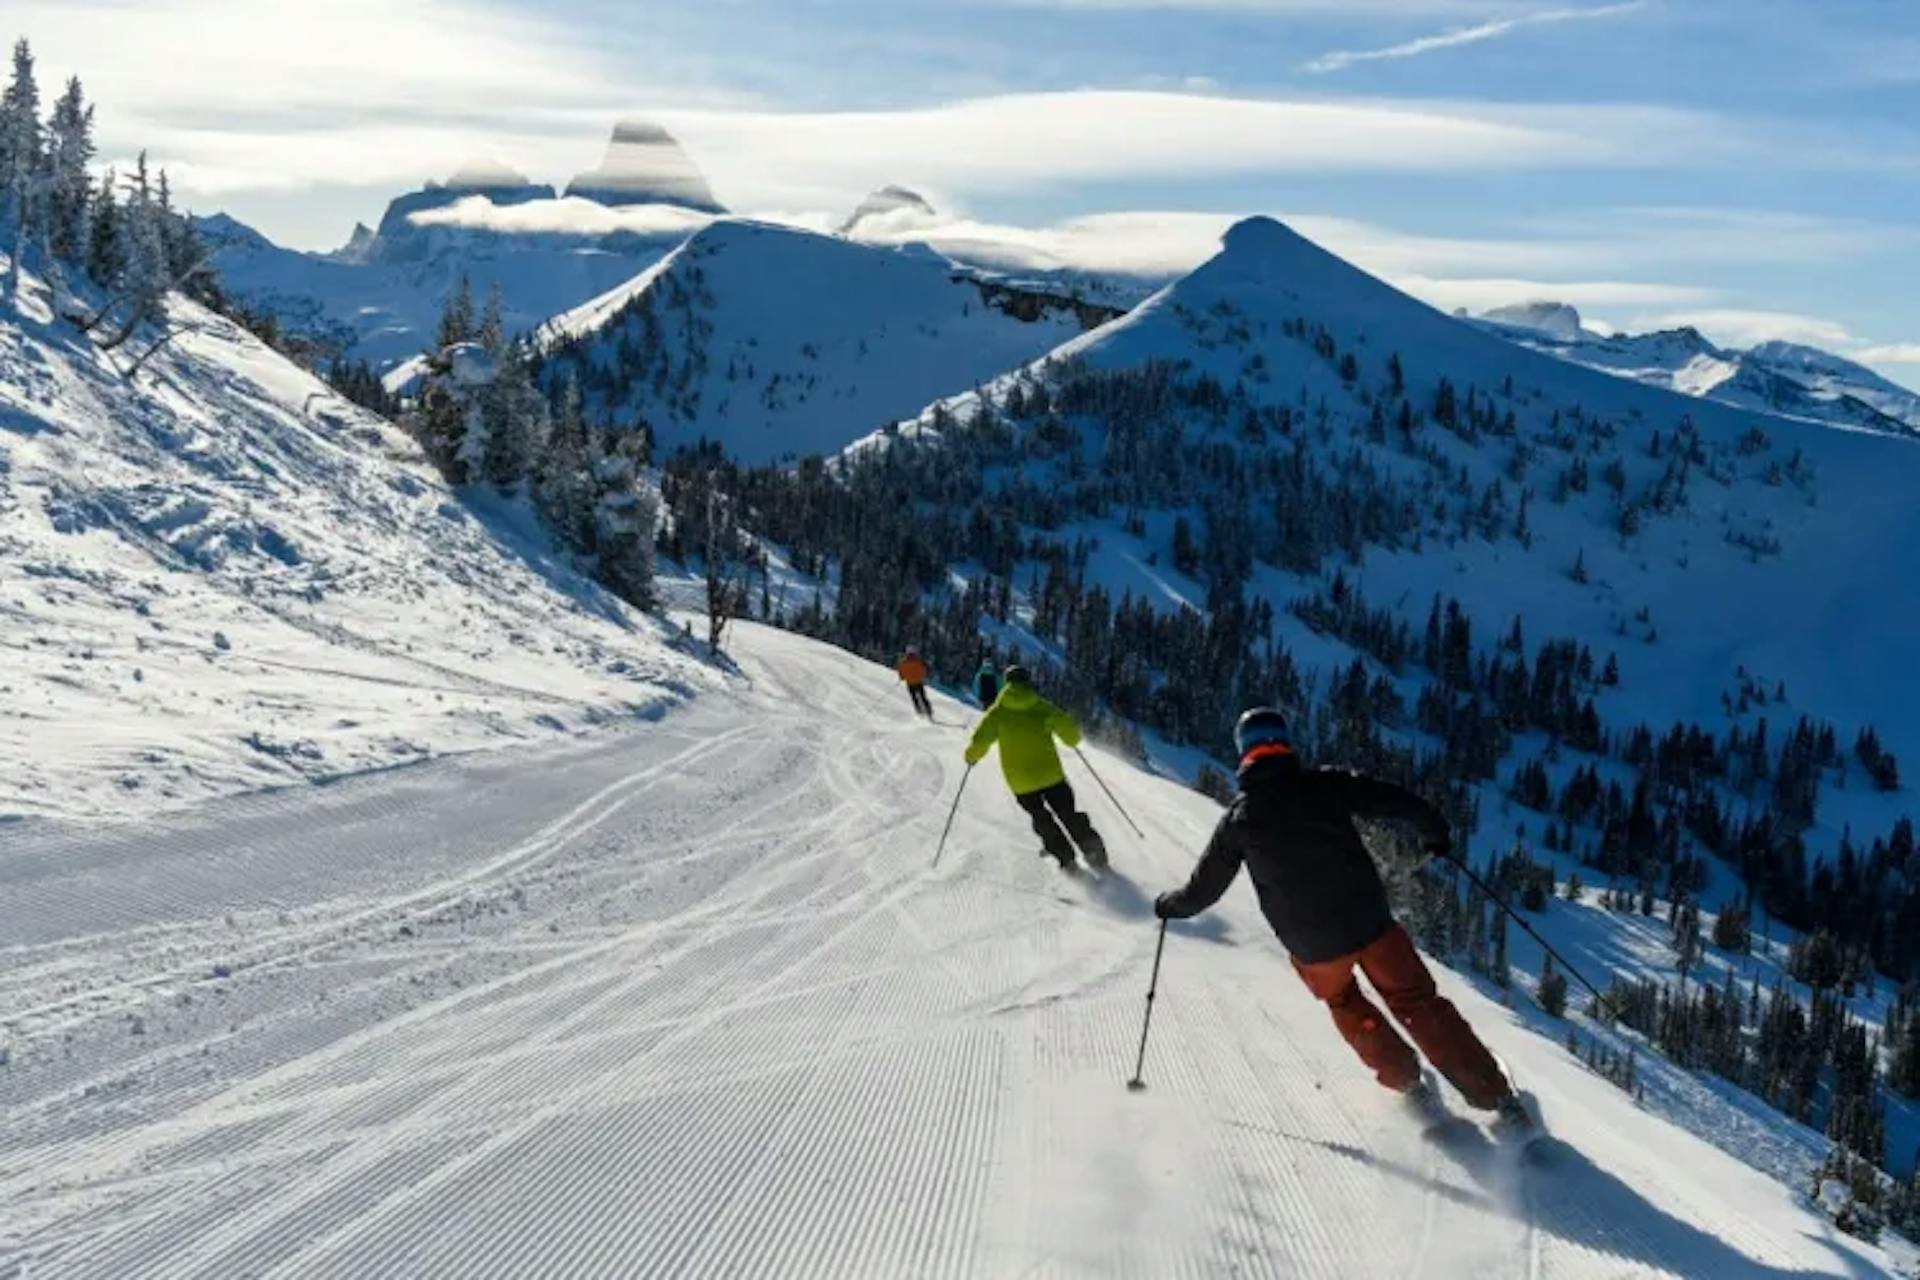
(1025, 725)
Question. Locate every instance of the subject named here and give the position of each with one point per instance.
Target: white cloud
(1690, 234)
(568, 215)
(276, 95)
(1446, 272)
(1450, 271)
(1342, 7)
(1478, 294)
(1890, 353)
(1339, 60)
(812, 159)
(1147, 244)
(188, 57)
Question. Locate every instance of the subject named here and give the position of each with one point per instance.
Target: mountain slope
(220, 576)
(1258, 485)
(693, 1003)
(1774, 553)
(1834, 377)
(1774, 377)
(776, 342)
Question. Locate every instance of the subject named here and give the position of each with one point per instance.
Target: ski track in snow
(691, 1001)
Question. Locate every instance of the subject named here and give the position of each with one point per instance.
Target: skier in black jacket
(1293, 829)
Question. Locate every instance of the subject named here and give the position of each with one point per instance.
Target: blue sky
(1753, 166)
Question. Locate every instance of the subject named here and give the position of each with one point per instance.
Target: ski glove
(1171, 906)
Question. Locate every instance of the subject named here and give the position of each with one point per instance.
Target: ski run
(689, 1000)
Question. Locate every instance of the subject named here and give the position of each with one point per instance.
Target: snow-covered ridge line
(774, 342)
(1781, 378)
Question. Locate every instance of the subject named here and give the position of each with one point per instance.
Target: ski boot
(1422, 1099)
(1513, 1123)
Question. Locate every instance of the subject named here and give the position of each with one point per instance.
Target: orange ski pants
(1401, 977)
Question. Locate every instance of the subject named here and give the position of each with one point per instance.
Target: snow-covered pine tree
(21, 158)
(145, 279)
(492, 333)
(106, 234)
(563, 489)
(515, 419)
(624, 517)
(471, 444)
(69, 151)
(456, 317)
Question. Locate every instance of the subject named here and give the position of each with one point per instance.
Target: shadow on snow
(1554, 1186)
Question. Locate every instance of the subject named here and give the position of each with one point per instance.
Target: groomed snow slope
(777, 342)
(693, 1002)
(221, 576)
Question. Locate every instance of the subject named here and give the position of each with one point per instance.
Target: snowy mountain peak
(1542, 315)
(220, 231)
(358, 246)
(485, 173)
(774, 341)
(892, 204)
(1262, 235)
(1264, 261)
(644, 164)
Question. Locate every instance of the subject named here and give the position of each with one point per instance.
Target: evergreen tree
(106, 247)
(456, 317)
(70, 150)
(146, 277)
(1552, 993)
(563, 488)
(513, 423)
(625, 516)
(21, 158)
(492, 333)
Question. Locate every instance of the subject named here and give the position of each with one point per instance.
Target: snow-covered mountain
(1554, 319)
(1831, 377)
(777, 342)
(220, 576)
(1280, 431)
(645, 165)
(1725, 538)
(379, 296)
(1773, 377)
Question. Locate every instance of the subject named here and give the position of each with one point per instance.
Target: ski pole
(942, 848)
(1109, 790)
(1546, 946)
(1153, 986)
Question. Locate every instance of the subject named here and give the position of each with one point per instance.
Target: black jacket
(1293, 828)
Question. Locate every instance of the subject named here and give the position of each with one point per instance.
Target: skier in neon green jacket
(1024, 724)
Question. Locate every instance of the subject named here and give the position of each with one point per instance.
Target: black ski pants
(1051, 810)
(921, 704)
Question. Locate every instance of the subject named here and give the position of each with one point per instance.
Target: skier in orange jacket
(914, 672)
